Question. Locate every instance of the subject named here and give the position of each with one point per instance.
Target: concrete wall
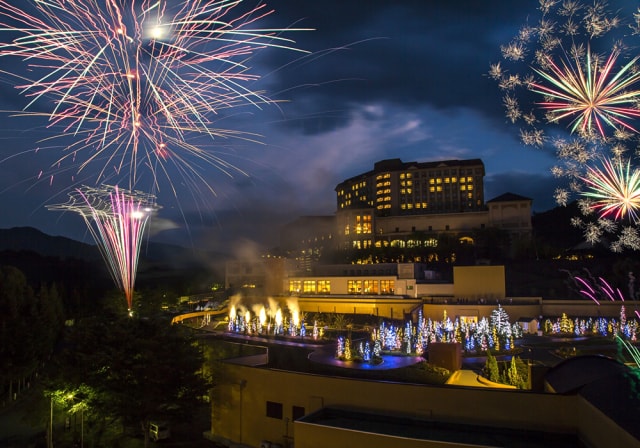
(479, 281)
(380, 307)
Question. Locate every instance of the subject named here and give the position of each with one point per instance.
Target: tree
(29, 327)
(139, 369)
(491, 368)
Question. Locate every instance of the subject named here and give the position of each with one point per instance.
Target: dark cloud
(413, 53)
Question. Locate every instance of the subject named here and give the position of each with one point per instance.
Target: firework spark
(135, 81)
(117, 219)
(614, 190)
(591, 93)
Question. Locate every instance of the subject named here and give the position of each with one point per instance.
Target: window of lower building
(354, 286)
(387, 286)
(371, 286)
(274, 410)
(324, 286)
(297, 412)
(295, 285)
(309, 286)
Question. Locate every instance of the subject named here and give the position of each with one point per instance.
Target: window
(274, 410)
(354, 286)
(309, 286)
(324, 286)
(371, 286)
(295, 285)
(297, 412)
(387, 286)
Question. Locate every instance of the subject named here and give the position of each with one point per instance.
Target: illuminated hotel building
(398, 200)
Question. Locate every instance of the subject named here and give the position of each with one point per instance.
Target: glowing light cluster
(116, 219)
(133, 82)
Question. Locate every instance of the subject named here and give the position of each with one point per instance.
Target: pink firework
(117, 220)
(133, 82)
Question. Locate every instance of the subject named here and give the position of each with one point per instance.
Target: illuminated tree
(491, 370)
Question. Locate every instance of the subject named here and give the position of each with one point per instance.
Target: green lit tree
(491, 370)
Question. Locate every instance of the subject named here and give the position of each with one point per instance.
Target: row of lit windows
(452, 180)
(310, 286)
(353, 286)
(371, 286)
(383, 176)
(361, 244)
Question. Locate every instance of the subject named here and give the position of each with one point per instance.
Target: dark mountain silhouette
(22, 246)
(30, 239)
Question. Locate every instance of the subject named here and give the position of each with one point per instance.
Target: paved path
(470, 378)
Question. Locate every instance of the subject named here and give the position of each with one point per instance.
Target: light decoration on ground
(570, 81)
(116, 218)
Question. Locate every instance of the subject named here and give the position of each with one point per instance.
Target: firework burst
(116, 218)
(133, 83)
(614, 190)
(592, 94)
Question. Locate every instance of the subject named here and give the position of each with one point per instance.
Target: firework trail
(576, 65)
(117, 219)
(132, 82)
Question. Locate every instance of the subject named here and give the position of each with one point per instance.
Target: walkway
(469, 378)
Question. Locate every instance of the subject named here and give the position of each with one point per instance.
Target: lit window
(371, 286)
(309, 286)
(324, 286)
(387, 286)
(295, 286)
(354, 286)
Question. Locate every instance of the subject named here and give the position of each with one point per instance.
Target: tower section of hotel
(397, 199)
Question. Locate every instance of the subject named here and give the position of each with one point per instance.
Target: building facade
(410, 204)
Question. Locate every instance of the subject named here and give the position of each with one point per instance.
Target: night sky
(383, 79)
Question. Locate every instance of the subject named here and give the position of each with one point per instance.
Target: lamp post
(242, 385)
(50, 435)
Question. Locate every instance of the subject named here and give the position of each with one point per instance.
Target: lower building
(261, 407)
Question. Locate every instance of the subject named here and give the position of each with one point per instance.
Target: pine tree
(513, 376)
(491, 368)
